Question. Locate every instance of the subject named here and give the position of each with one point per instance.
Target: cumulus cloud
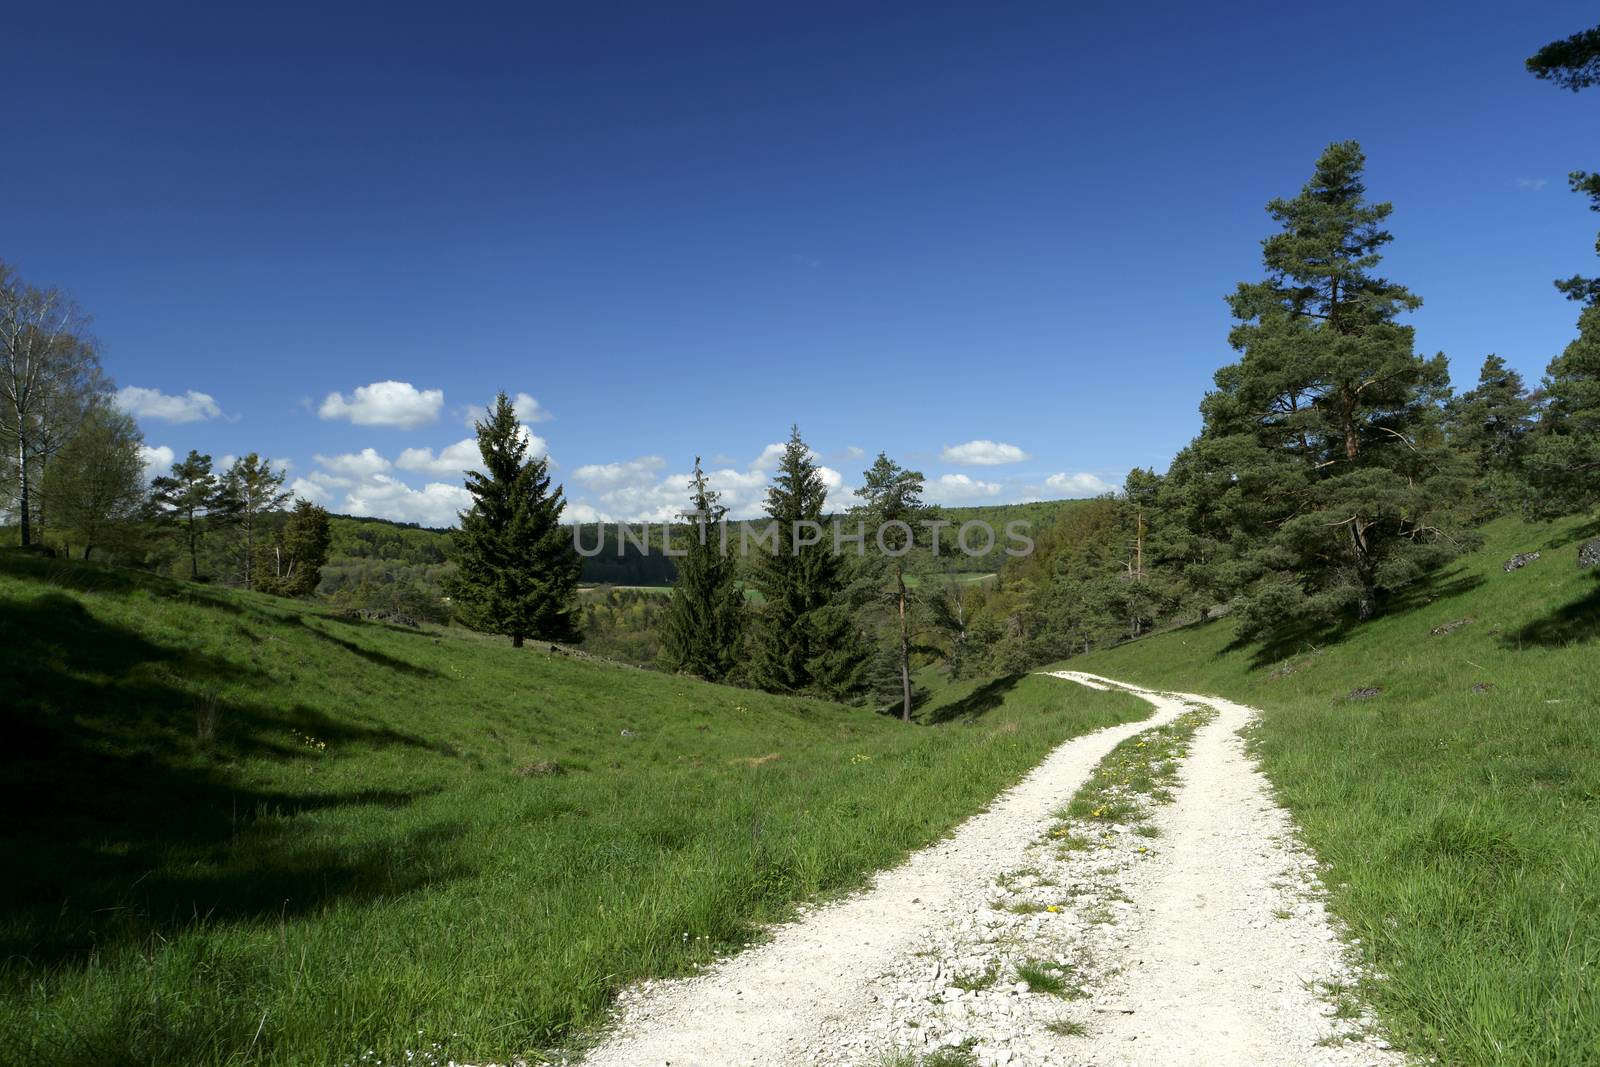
(354, 464)
(1079, 485)
(769, 457)
(385, 404)
(144, 403)
(452, 459)
(385, 496)
(959, 489)
(611, 475)
(527, 407)
(157, 461)
(983, 453)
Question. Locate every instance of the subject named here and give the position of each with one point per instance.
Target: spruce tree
(1491, 427)
(701, 633)
(518, 569)
(806, 640)
(1333, 415)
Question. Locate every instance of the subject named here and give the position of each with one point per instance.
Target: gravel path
(1205, 944)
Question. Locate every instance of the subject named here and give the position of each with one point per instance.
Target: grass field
(242, 830)
(1458, 809)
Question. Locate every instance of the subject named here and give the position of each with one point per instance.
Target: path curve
(1213, 970)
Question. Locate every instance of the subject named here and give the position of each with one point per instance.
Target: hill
(247, 830)
(1444, 763)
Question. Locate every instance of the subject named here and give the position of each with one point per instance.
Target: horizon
(619, 221)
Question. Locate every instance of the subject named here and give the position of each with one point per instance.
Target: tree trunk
(905, 649)
(22, 486)
(516, 640)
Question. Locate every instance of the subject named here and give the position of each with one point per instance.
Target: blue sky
(680, 228)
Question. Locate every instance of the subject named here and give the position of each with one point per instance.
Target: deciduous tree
(95, 485)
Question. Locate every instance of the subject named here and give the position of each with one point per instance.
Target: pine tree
(892, 512)
(518, 567)
(701, 633)
(1574, 63)
(1564, 463)
(1333, 413)
(806, 641)
(1491, 427)
(252, 489)
(189, 501)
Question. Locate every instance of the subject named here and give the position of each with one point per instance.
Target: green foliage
(189, 502)
(1572, 63)
(1332, 415)
(292, 565)
(805, 640)
(241, 788)
(518, 569)
(94, 488)
(1492, 427)
(702, 633)
(1455, 809)
(1564, 466)
(892, 515)
(253, 491)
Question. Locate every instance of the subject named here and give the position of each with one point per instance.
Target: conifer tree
(806, 640)
(518, 569)
(893, 513)
(1333, 415)
(292, 564)
(1491, 426)
(189, 501)
(701, 633)
(252, 489)
(1564, 463)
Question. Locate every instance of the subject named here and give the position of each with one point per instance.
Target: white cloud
(387, 497)
(1532, 184)
(611, 475)
(385, 404)
(983, 453)
(157, 461)
(855, 452)
(528, 410)
(310, 490)
(768, 460)
(452, 459)
(958, 488)
(1079, 485)
(154, 404)
(361, 464)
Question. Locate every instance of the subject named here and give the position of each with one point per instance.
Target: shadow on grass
(976, 704)
(123, 816)
(1573, 623)
(1298, 638)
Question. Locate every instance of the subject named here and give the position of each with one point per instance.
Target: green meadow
(245, 830)
(1444, 763)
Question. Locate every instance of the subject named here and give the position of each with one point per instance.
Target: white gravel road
(1207, 944)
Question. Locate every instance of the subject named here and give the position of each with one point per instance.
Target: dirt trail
(1205, 947)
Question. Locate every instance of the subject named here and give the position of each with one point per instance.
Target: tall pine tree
(702, 631)
(518, 569)
(807, 640)
(189, 501)
(1335, 417)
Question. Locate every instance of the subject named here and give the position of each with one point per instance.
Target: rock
(1450, 627)
(1520, 560)
(1482, 687)
(1365, 692)
(1589, 555)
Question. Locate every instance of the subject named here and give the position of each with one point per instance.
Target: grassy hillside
(243, 830)
(1458, 806)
